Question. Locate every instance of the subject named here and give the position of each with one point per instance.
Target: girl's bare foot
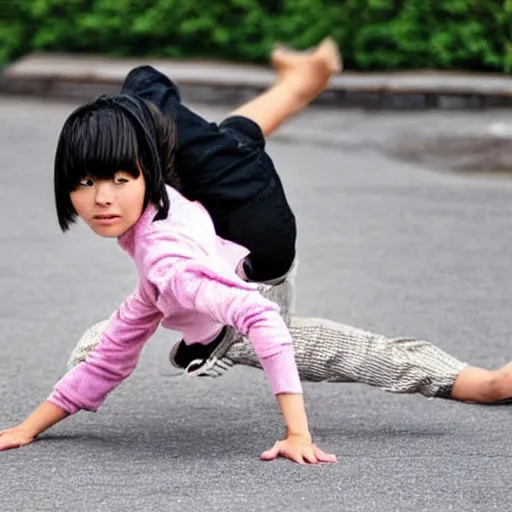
(483, 386)
(308, 72)
(326, 54)
(501, 383)
(301, 77)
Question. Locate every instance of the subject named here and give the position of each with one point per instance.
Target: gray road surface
(384, 245)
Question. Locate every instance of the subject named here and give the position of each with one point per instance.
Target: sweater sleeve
(87, 385)
(230, 301)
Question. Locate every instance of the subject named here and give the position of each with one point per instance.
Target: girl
(114, 169)
(228, 171)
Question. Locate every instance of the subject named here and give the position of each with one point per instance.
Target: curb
(85, 77)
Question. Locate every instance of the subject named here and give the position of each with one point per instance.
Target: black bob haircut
(115, 133)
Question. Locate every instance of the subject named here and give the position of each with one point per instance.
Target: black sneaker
(205, 360)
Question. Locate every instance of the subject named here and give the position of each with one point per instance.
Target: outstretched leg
(333, 352)
(301, 77)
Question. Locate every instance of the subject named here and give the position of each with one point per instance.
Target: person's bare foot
(483, 386)
(310, 70)
(325, 55)
(501, 383)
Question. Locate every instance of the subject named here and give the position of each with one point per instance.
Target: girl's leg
(301, 77)
(332, 352)
(206, 151)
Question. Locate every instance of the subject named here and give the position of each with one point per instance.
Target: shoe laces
(212, 367)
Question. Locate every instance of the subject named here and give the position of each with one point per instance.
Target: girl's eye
(120, 181)
(86, 182)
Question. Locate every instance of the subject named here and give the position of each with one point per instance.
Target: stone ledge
(84, 77)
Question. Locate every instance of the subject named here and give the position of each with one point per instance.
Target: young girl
(113, 169)
(226, 168)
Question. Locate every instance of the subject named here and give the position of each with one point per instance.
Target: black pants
(226, 168)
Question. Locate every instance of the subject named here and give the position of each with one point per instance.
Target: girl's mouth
(106, 219)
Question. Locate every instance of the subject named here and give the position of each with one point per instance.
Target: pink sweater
(187, 283)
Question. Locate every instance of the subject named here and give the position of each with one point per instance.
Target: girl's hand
(299, 449)
(15, 437)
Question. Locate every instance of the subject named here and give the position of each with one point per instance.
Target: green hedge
(374, 34)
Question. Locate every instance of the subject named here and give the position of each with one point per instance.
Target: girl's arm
(87, 385)
(113, 360)
(230, 302)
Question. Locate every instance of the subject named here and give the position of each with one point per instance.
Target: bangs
(97, 144)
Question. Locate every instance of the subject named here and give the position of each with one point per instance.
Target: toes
(329, 51)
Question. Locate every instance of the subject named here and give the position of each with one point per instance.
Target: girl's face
(110, 207)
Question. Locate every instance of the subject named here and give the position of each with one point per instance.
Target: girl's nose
(104, 194)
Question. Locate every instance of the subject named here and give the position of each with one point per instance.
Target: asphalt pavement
(397, 247)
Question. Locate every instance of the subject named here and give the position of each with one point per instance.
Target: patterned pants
(333, 352)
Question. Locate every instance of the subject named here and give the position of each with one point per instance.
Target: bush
(374, 35)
